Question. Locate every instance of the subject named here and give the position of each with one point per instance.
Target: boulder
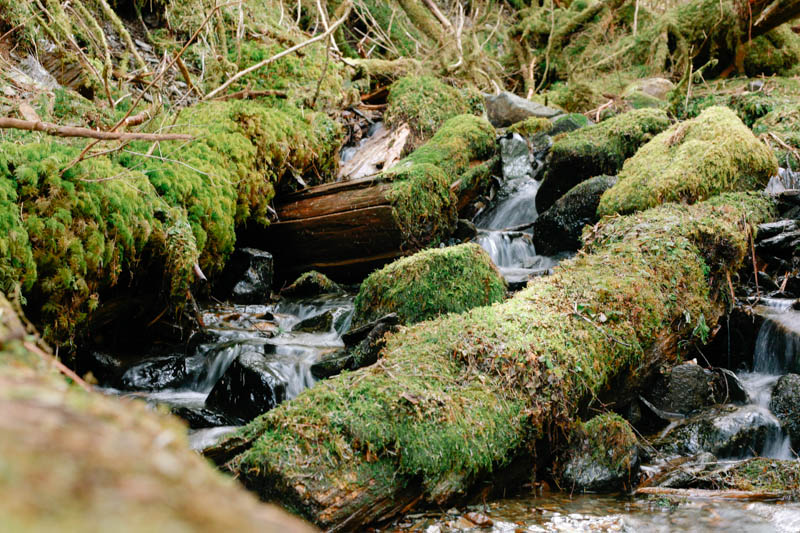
(785, 404)
(559, 228)
(312, 283)
(362, 348)
(156, 374)
(506, 108)
(603, 456)
(724, 431)
(249, 387)
(247, 277)
(692, 161)
(594, 150)
(569, 122)
(683, 390)
(647, 92)
(430, 283)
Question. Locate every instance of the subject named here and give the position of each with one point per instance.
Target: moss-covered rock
(430, 283)
(692, 161)
(531, 126)
(775, 53)
(783, 122)
(425, 103)
(312, 283)
(457, 398)
(74, 460)
(596, 150)
(603, 456)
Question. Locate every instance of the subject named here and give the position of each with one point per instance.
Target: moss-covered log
(74, 460)
(691, 161)
(430, 283)
(456, 399)
(595, 150)
(357, 225)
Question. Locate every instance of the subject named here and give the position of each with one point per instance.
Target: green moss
(531, 126)
(312, 283)
(782, 122)
(425, 103)
(692, 161)
(457, 397)
(775, 53)
(595, 150)
(430, 283)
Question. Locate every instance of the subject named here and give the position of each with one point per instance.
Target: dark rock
(356, 335)
(515, 155)
(332, 364)
(506, 108)
(559, 228)
(571, 122)
(465, 230)
(766, 283)
(311, 283)
(724, 431)
(785, 404)
(156, 374)
(248, 388)
(316, 324)
(106, 368)
(734, 345)
(248, 276)
(770, 229)
(199, 417)
(728, 388)
(684, 390)
(603, 456)
(363, 346)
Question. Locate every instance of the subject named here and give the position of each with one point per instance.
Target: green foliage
(782, 122)
(425, 103)
(430, 283)
(531, 126)
(692, 161)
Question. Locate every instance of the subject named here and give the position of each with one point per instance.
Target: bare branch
(69, 131)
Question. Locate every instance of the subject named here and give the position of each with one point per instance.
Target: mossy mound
(312, 283)
(71, 233)
(423, 204)
(459, 397)
(79, 461)
(531, 126)
(692, 161)
(780, 128)
(595, 150)
(430, 283)
(775, 53)
(425, 103)
(603, 455)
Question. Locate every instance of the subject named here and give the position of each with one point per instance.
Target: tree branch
(69, 131)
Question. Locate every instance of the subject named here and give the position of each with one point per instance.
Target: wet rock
(724, 431)
(156, 374)
(603, 456)
(465, 230)
(728, 388)
(248, 276)
(684, 389)
(355, 336)
(507, 108)
(199, 417)
(332, 364)
(559, 228)
(363, 346)
(316, 324)
(248, 388)
(106, 368)
(570, 122)
(516, 157)
(311, 283)
(766, 283)
(785, 404)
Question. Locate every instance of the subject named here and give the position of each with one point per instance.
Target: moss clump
(425, 103)
(596, 150)
(312, 283)
(531, 126)
(422, 202)
(455, 398)
(430, 283)
(692, 161)
(775, 53)
(782, 122)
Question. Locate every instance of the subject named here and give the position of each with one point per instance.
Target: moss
(775, 53)
(425, 103)
(423, 204)
(455, 398)
(692, 161)
(531, 126)
(782, 122)
(311, 283)
(757, 474)
(595, 150)
(430, 283)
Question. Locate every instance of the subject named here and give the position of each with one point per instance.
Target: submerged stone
(559, 228)
(248, 388)
(506, 108)
(430, 283)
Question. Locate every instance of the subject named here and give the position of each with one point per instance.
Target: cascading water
(504, 228)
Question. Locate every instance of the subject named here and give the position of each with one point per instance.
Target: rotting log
(460, 399)
(74, 460)
(347, 229)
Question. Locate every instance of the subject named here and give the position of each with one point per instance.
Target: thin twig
(68, 131)
(58, 364)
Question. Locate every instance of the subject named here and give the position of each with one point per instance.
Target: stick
(711, 494)
(439, 15)
(58, 364)
(68, 131)
(286, 52)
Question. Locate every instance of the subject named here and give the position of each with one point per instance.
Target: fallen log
(707, 494)
(459, 399)
(75, 460)
(347, 229)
